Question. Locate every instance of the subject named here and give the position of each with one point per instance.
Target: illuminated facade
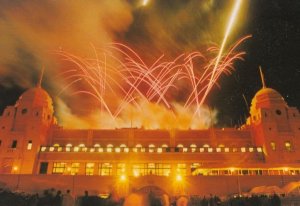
(33, 143)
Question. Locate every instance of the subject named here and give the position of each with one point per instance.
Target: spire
(262, 78)
(39, 83)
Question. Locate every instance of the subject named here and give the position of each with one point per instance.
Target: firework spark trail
(228, 30)
(139, 83)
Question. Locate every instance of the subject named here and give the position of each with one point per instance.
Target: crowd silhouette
(54, 197)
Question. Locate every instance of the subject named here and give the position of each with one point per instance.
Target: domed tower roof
(36, 97)
(266, 98)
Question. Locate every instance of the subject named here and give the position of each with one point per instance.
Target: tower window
(29, 145)
(24, 111)
(288, 146)
(273, 146)
(14, 144)
(278, 112)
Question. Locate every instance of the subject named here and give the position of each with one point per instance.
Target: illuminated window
(184, 149)
(138, 145)
(56, 145)
(68, 145)
(243, 149)
(159, 150)
(250, 149)
(121, 169)
(179, 145)
(143, 149)
(210, 149)
(100, 149)
(43, 149)
(118, 149)
(164, 146)
(92, 150)
(59, 149)
(181, 169)
(218, 149)
(96, 145)
(123, 145)
(29, 145)
(75, 168)
(126, 149)
(58, 167)
(193, 145)
(162, 169)
(205, 145)
(105, 169)
(226, 149)
(201, 149)
(194, 168)
(89, 168)
(51, 149)
(288, 146)
(81, 145)
(76, 149)
(259, 149)
(273, 146)
(109, 146)
(109, 149)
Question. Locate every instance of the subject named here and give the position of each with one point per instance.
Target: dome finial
(262, 78)
(39, 83)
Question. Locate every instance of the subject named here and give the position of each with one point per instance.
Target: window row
(159, 169)
(150, 150)
(287, 146)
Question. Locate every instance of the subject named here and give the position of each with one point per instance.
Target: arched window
(273, 146)
(97, 145)
(56, 145)
(193, 145)
(180, 145)
(123, 145)
(69, 145)
(109, 145)
(164, 146)
(151, 145)
(138, 145)
(206, 145)
(81, 145)
(288, 146)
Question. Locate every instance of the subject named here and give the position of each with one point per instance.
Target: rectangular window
(29, 145)
(121, 168)
(58, 167)
(273, 146)
(181, 169)
(105, 169)
(89, 168)
(75, 168)
(288, 146)
(162, 169)
(43, 168)
(14, 144)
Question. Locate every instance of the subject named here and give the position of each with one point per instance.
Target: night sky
(165, 26)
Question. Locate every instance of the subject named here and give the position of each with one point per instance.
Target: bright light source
(232, 169)
(286, 169)
(69, 169)
(122, 177)
(145, 2)
(15, 168)
(136, 173)
(178, 178)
